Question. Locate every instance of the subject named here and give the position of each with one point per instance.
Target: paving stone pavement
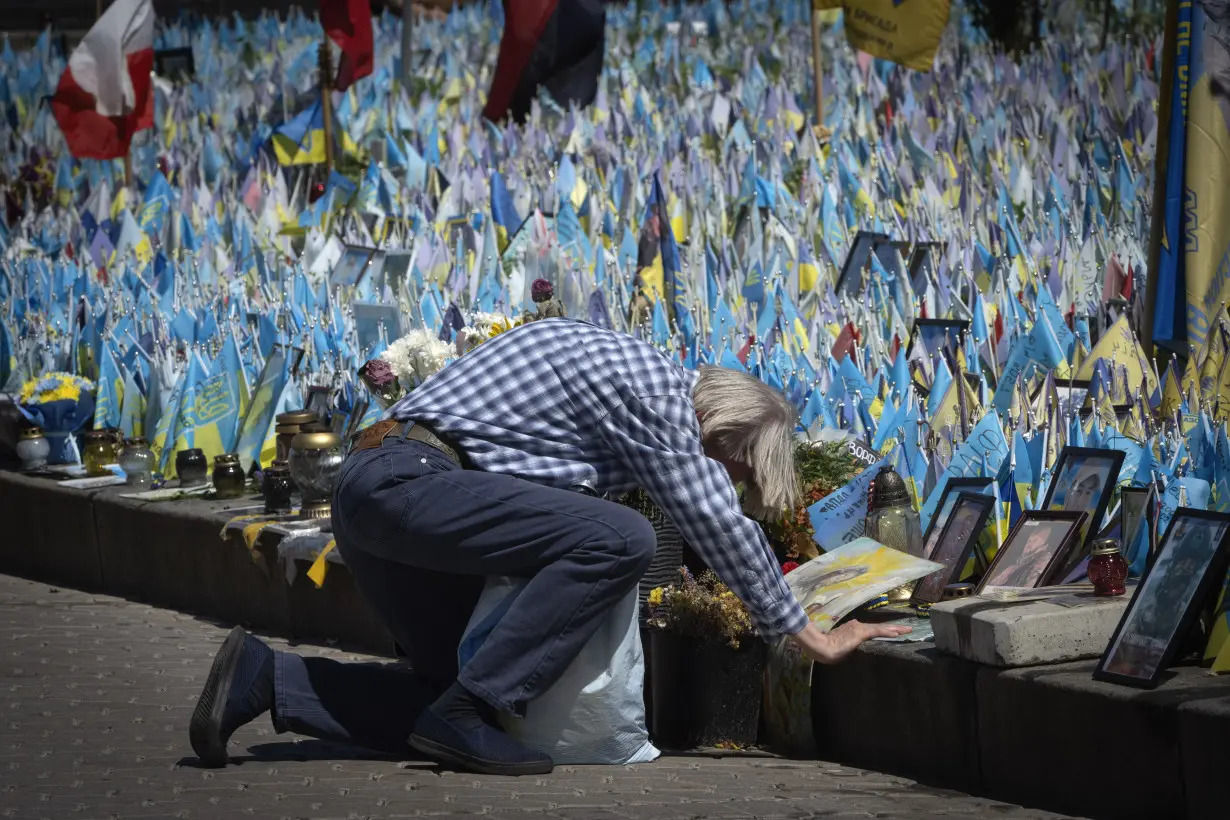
(96, 693)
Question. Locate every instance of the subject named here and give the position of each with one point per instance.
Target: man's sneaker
(239, 690)
(483, 749)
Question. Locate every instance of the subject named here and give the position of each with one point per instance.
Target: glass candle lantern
(1108, 569)
(97, 452)
(315, 460)
(277, 487)
(137, 462)
(893, 521)
(228, 478)
(191, 467)
(33, 448)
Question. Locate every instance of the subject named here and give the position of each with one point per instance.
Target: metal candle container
(315, 460)
(290, 425)
(893, 521)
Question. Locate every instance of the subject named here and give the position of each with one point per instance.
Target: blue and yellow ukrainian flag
(503, 211)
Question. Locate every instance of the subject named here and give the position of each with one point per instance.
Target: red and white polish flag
(106, 92)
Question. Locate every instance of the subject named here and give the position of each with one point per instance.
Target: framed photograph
(1072, 396)
(352, 267)
(318, 400)
(936, 335)
(369, 318)
(922, 265)
(850, 279)
(396, 268)
(1190, 568)
(943, 510)
(965, 524)
(175, 64)
(1136, 514)
(1084, 482)
(1040, 542)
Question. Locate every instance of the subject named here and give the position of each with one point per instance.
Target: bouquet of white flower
(415, 357)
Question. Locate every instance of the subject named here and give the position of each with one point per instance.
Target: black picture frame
(850, 279)
(952, 488)
(175, 64)
(1016, 542)
(961, 533)
(926, 327)
(1136, 510)
(1068, 457)
(353, 265)
(1135, 658)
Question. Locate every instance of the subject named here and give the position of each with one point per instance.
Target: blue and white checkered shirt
(566, 404)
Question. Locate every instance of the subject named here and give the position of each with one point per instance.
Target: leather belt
(374, 436)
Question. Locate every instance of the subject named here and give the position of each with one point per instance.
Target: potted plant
(707, 668)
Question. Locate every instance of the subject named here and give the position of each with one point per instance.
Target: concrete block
(1052, 736)
(49, 532)
(172, 554)
(1027, 633)
(903, 708)
(1204, 738)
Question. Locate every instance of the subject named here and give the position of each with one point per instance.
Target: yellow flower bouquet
(61, 404)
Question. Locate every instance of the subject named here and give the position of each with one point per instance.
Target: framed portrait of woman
(1084, 481)
(1191, 565)
(1038, 544)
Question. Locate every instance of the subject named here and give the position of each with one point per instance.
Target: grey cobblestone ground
(96, 692)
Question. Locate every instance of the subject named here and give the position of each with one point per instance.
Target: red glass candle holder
(1108, 569)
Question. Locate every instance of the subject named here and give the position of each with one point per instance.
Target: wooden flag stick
(326, 100)
(128, 169)
(817, 64)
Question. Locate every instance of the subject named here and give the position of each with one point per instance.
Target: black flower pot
(704, 693)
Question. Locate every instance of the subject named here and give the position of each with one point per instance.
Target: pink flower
(541, 290)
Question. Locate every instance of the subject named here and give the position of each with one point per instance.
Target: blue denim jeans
(420, 535)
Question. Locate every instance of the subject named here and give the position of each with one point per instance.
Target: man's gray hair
(751, 424)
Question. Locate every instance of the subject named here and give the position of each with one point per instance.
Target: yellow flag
(904, 32)
(1120, 346)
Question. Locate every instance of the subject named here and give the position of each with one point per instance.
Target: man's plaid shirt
(567, 404)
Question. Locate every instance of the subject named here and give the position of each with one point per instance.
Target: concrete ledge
(171, 554)
(1204, 742)
(906, 709)
(1046, 736)
(1027, 633)
(1051, 733)
(48, 532)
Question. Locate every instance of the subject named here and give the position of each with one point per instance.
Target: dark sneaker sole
(205, 729)
(447, 754)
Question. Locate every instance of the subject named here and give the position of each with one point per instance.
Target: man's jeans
(420, 535)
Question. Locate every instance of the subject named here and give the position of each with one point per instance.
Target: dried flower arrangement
(702, 608)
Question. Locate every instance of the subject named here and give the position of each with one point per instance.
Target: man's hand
(837, 645)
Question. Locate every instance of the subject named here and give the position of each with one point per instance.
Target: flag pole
(128, 168)
(817, 65)
(326, 100)
(407, 32)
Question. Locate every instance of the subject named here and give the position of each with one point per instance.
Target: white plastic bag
(595, 713)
